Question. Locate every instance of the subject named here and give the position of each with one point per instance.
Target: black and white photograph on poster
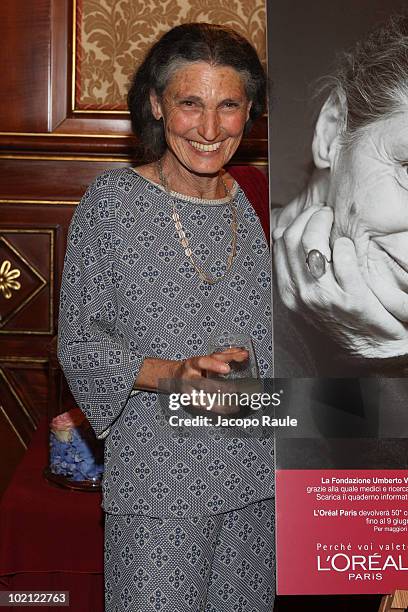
(338, 147)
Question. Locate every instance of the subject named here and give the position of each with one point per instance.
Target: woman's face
(204, 109)
(369, 193)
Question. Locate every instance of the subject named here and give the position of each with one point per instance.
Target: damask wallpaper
(112, 37)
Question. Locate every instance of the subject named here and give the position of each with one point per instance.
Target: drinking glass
(225, 340)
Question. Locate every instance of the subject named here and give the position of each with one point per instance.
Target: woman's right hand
(216, 363)
(192, 374)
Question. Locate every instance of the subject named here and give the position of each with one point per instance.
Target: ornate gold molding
(6, 416)
(8, 282)
(38, 202)
(66, 135)
(87, 158)
(17, 398)
(42, 281)
(15, 359)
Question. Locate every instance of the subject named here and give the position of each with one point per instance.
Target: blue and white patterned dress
(129, 292)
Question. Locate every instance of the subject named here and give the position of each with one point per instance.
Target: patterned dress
(129, 292)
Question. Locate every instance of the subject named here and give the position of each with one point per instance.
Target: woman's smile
(205, 148)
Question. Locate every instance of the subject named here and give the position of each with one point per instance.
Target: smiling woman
(373, 212)
(205, 109)
(159, 259)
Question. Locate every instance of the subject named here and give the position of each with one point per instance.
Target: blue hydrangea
(79, 459)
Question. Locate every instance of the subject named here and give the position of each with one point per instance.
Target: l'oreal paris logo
(341, 562)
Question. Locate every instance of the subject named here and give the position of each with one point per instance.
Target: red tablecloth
(51, 538)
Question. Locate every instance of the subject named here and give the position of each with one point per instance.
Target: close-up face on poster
(204, 305)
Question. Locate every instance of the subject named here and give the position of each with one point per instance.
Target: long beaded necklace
(184, 240)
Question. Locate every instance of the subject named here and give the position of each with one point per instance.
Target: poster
(342, 488)
(352, 438)
(342, 531)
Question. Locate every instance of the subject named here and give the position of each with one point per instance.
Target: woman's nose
(209, 127)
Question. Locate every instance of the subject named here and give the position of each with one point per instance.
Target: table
(50, 538)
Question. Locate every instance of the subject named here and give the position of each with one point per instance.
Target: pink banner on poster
(341, 531)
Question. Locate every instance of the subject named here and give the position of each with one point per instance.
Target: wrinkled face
(369, 192)
(204, 109)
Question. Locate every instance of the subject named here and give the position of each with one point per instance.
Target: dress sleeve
(99, 366)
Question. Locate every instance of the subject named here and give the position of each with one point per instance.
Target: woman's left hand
(340, 300)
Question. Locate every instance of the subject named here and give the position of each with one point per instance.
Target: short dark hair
(371, 80)
(188, 43)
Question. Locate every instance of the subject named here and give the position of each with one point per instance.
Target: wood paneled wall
(49, 153)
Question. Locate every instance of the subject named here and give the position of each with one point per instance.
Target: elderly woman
(159, 258)
(340, 249)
